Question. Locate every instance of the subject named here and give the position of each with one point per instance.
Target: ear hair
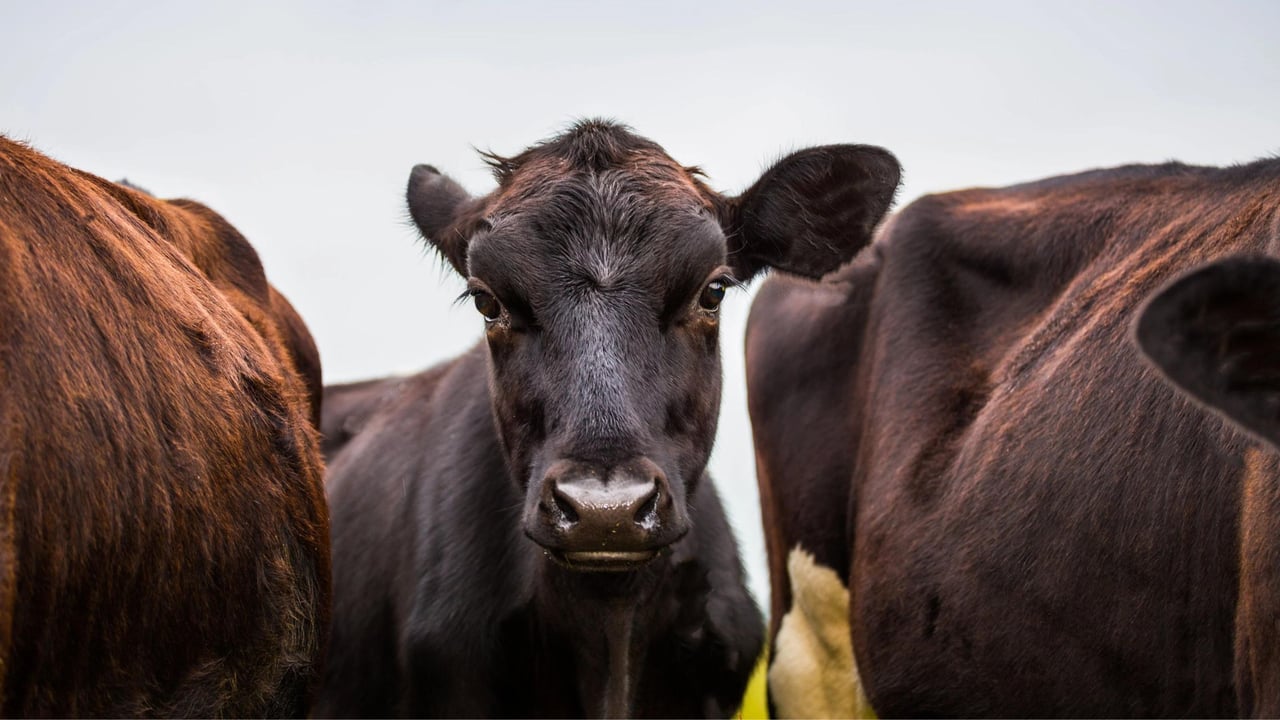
(1215, 333)
(812, 211)
(437, 205)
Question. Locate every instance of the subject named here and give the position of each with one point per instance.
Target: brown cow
(1029, 521)
(163, 533)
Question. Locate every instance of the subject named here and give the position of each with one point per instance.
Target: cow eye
(711, 296)
(487, 304)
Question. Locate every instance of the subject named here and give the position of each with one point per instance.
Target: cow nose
(606, 520)
(593, 505)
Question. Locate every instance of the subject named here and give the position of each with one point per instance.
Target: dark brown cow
(527, 529)
(1028, 519)
(163, 533)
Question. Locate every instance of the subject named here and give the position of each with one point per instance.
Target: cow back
(164, 532)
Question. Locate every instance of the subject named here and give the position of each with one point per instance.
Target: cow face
(598, 267)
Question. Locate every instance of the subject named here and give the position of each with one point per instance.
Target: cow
(962, 456)
(163, 528)
(528, 529)
(348, 406)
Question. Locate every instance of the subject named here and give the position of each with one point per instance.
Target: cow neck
(619, 688)
(608, 621)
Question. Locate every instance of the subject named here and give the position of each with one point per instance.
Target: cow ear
(1215, 332)
(812, 211)
(439, 206)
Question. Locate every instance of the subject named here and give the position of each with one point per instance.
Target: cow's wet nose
(621, 517)
(596, 506)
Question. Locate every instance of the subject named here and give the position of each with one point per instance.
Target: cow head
(598, 266)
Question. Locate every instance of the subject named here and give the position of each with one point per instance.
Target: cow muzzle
(605, 519)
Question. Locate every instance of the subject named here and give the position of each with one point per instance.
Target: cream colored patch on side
(813, 674)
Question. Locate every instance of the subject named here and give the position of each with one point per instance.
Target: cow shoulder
(425, 519)
(420, 468)
(227, 260)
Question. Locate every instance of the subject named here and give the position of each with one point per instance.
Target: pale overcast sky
(299, 121)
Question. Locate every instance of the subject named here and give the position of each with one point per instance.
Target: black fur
(460, 503)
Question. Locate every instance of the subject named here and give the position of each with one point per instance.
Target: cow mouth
(603, 560)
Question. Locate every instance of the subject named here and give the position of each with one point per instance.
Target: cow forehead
(620, 199)
(603, 231)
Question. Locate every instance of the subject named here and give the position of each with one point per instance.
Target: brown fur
(1030, 520)
(1215, 333)
(163, 533)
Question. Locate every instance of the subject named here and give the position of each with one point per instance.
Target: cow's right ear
(1215, 332)
(812, 211)
(440, 207)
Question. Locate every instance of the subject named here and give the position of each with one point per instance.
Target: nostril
(564, 505)
(647, 514)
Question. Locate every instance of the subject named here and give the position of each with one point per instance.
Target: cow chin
(592, 519)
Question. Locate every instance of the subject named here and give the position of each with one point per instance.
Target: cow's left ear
(444, 212)
(1215, 332)
(812, 211)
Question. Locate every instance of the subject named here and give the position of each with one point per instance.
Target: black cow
(527, 529)
(349, 406)
(956, 428)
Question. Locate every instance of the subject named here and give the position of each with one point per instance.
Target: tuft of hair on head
(501, 166)
(591, 145)
(597, 144)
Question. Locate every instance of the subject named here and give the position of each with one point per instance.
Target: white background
(300, 121)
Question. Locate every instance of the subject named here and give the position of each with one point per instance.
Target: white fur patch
(813, 674)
